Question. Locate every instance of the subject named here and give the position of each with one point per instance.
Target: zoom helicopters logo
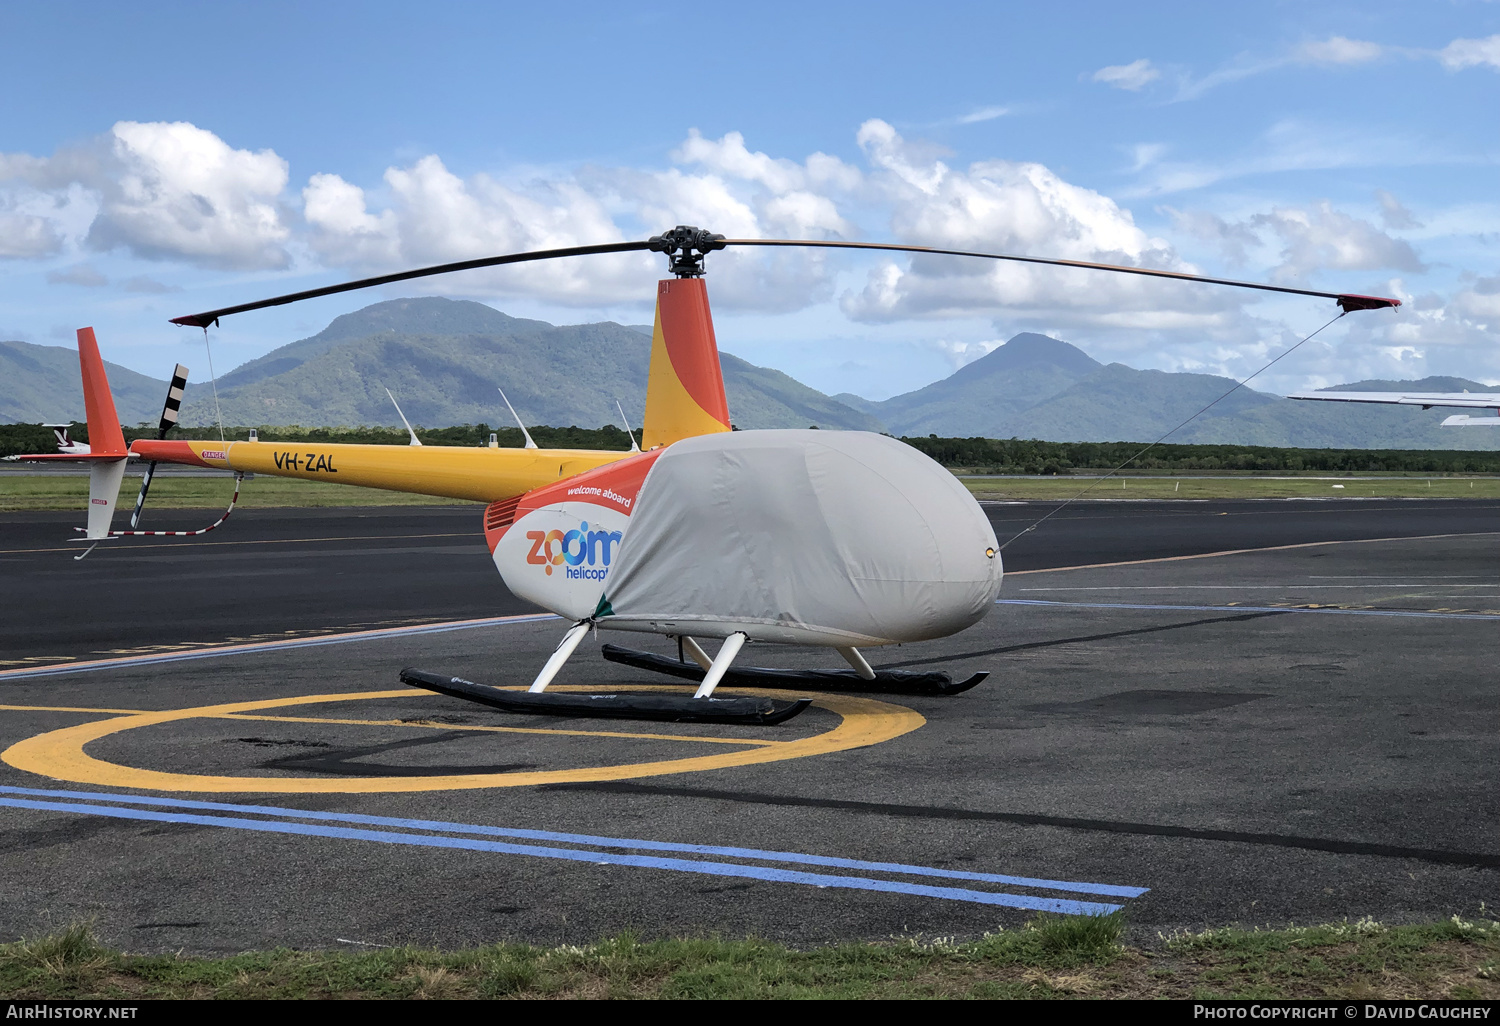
(584, 554)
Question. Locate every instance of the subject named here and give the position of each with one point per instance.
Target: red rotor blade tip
(1352, 303)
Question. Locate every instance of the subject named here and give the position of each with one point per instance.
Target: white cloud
(27, 236)
(162, 191)
(1334, 51)
(425, 214)
(1294, 145)
(1480, 304)
(1312, 239)
(1233, 240)
(983, 114)
(344, 232)
(1021, 208)
(1143, 155)
(1241, 67)
(1321, 238)
(736, 200)
(179, 191)
(1133, 76)
(39, 217)
(149, 286)
(1337, 50)
(1393, 214)
(1430, 334)
(1468, 53)
(961, 354)
(79, 274)
(176, 192)
(432, 216)
(1459, 332)
(731, 158)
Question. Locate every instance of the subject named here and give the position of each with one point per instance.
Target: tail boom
(456, 472)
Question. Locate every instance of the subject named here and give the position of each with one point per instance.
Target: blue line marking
(1253, 609)
(1057, 905)
(273, 646)
(1111, 890)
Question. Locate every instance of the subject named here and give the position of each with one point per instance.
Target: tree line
(33, 438)
(1029, 456)
(981, 455)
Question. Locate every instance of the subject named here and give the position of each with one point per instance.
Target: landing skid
(889, 682)
(667, 708)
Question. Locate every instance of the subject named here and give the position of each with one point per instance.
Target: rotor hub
(685, 247)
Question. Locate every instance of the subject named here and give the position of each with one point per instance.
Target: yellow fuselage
(451, 471)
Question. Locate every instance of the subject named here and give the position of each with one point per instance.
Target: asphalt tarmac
(1291, 734)
(274, 573)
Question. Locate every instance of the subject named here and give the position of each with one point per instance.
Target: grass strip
(1050, 957)
(1187, 487)
(25, 492)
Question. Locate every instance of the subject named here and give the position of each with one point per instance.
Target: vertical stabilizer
(104, 488)
(105, 436)
(685, 390)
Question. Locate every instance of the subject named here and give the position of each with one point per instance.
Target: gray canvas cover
(821, 537)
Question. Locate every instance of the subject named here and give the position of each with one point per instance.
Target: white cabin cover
(831, 537)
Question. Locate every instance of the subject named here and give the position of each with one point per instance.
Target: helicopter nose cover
(804, 537)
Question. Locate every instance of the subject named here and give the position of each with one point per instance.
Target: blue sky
(167, 158)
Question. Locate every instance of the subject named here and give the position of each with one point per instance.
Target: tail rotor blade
(140, 500)
(173, 405)
(169, 413)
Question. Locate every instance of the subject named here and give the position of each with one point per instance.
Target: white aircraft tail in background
(1426, 400)
(66, 444)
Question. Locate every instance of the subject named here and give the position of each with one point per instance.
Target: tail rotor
(169, 414)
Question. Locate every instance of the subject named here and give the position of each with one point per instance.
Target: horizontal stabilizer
(77, 457)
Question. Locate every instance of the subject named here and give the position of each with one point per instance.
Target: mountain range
(444, 359)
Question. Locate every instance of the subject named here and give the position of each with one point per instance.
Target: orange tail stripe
(688, 330)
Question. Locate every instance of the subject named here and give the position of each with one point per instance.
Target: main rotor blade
(203, 320)
(1347, 301)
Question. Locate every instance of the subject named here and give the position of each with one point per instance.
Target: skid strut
(701, 708)
(890, 682)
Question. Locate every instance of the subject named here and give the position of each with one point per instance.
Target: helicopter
(843, 540)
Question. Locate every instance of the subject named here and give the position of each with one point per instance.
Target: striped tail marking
(173, 406)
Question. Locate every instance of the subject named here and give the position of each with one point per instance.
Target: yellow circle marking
(60, 754)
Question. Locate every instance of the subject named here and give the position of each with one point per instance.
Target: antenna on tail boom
(525, 434)
(414, 439)
(633, 447)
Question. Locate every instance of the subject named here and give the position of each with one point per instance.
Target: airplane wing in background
(1426, 400)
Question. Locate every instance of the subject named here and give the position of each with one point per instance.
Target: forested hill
(446, 359)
